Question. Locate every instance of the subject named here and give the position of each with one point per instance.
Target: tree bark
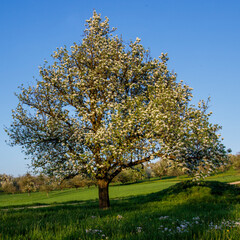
(103, 193)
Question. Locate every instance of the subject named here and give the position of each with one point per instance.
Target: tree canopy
(104, 105)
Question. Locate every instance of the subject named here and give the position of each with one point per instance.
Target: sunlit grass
(228, 176)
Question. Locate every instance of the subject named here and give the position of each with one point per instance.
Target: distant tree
(160, 168)
(47, 186)
(39, 181)
(8, 183)
(105, 106)
(174, 169)
(82, 180)
(9, 187)
(130, 175)
(148, 171)
(27, 184)
(235, 161)
(3, 178)
(64, 184)
(78, 181)
(89, 182)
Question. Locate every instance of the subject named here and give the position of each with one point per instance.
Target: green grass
(156, 209)
(227, 177)
(182, 211)
(116, 191)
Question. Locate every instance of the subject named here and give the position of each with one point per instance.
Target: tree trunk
(103, 193)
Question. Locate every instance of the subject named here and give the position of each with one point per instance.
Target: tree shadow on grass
(211, 202)
(210, 191)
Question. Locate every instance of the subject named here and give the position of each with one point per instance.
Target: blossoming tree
(104, 106)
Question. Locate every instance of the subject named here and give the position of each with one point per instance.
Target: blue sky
(201, 38)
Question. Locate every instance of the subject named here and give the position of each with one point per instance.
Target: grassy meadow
(171, 208)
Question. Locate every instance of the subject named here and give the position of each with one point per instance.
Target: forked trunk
(103, 193)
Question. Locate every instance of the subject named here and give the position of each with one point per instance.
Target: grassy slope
(116, 191)
(227, 177)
